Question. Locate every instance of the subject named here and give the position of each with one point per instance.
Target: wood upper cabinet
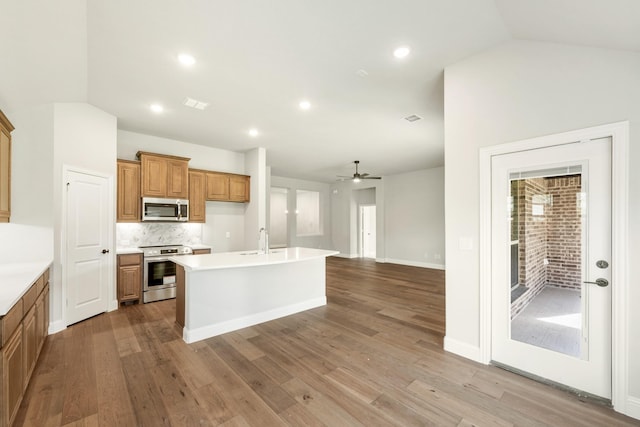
(128, 205)
(164, 176)
(5, 167)
(197, 185)
(129, 277)
(217, 186)
(227, 187)
(239, 186)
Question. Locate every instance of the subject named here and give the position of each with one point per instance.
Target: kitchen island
(223, 292)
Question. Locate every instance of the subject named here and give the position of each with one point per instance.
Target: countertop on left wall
(15, 280)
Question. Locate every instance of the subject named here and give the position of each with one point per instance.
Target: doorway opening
(368, 231)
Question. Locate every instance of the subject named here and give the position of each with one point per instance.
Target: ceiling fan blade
(370, 177)
(362, 175)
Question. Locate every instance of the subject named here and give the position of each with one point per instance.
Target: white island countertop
(15, 280)
(249, 258)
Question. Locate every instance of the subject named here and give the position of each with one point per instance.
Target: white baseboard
(633, 407)
(57, 326)
(462, 349)
(341, 255)
(415, 263)
(193, 335)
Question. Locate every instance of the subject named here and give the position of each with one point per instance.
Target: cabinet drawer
(129, 259)
(43, 280)
(30, 296)
(11, 321)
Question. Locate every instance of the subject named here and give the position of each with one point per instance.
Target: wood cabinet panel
(11, 321)
(128, 197)
(5, 168)
(180, 295)
(177, 179)
(42, 319)
(29, 344)
(154, 176)
(164, 176)
(129, 277)
(12, 377)
(197, 184)
(201, 251)
(217, 186)
(239, 186)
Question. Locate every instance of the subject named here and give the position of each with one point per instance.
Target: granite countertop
(15, 280)
(249, 258)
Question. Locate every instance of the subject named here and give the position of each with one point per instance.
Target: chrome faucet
(265, 250)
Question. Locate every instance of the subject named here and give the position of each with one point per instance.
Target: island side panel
(224, 300)
(180, 295)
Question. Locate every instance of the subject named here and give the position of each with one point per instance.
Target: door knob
(105, 251)
(600, 282)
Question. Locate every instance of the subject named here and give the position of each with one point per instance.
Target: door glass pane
(546, 226)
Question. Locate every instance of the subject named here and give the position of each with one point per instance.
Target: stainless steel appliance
(154, 209)
(159, 272)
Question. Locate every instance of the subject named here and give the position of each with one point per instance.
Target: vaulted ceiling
(256, 60)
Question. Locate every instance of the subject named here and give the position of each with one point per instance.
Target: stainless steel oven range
(160, 273)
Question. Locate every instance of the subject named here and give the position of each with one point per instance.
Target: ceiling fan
(358, 176)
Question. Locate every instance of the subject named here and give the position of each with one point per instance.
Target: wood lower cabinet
(128, 195)
(197, 185)
(24, 330)
(5, 167)
(201, 251)
(129, 278)
(164, 176)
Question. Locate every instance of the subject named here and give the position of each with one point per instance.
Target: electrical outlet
(228, 234)
(436, 256)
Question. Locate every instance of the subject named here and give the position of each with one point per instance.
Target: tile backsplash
(133, 235)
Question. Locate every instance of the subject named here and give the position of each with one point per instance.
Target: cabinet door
(239, 188)
(177, 179)
(5, 175)
(30, 344)
(128, 192)
(12, 377)
(217, 186)
(154, 176)
(42, 322)
(129, 277)
(197, 185)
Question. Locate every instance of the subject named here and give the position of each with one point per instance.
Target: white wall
(278, 217)
(84, 137)
(414, 218)
(223, 218)
(517, 91)
(323, 241)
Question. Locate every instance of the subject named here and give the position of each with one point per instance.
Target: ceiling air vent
(413, 118)
(194, 103)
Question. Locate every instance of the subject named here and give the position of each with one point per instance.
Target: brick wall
(564, 233)
(552, 230)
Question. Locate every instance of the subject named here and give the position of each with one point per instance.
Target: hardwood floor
(372, 357)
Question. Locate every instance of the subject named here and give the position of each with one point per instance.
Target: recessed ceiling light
(413, 118)
(401, 52)
(186, 59)
(253, 132)
(305, 105)
(362, 73)
(156, 108)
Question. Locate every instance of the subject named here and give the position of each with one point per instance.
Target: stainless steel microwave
(154, 209)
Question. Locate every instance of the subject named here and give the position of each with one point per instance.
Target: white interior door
(551, 220)
(88, 243)
(368, 229)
